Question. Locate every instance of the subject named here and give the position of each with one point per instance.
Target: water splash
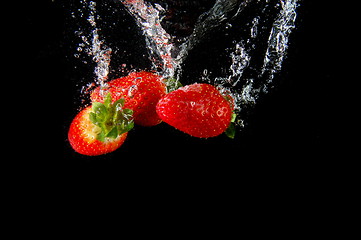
(158, 40)
(256, 54)
(240, 61)
(162, 45)
(94, 46)
(220, 14)
(247, 80)
(275, 53)
(278, 40)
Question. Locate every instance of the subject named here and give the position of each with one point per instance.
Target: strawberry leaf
(100, 110)
(231, 130)
(233, 117)
(101, 136)
(119, 103)
(108, 100)
(93, 118)
(125, 127)
(113, 133)
(128, 113)
(111, 118)
(172, 84)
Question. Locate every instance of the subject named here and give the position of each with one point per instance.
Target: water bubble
(228, 26)
(84, 38)
(240, 61)
(132, 90)
(254, 28)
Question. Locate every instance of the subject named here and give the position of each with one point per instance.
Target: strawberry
(141, 92)
(198, 109)
(101, 128)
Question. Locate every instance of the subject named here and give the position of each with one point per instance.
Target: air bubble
(132, 90)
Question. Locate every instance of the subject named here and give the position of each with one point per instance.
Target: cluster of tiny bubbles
(91, 48)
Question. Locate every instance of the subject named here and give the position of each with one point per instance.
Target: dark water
(283, 132)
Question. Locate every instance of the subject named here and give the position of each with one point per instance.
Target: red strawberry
(198, 109)
(141, 92)
(100, 128)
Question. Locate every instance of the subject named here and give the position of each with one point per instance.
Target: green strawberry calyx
(112, 119)
(172, 84)
(231, 130)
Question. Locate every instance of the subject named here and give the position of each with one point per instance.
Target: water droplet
(132, 90)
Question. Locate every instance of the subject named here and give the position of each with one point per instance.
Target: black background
(289, 135)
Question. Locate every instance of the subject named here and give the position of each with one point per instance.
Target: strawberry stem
(111, 118)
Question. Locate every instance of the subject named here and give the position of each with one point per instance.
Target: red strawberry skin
(82, 136)
(198, 110)
(141, 92)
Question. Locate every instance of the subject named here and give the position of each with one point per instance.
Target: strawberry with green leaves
(101, 128)
(141, 92)
(198, 110)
